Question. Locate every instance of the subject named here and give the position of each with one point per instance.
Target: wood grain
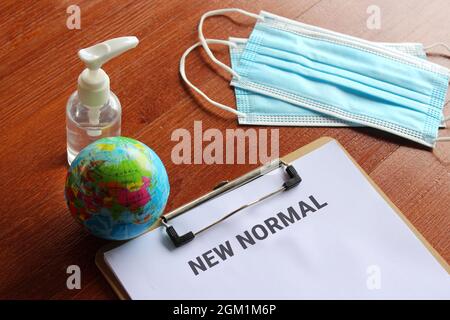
(39, 239)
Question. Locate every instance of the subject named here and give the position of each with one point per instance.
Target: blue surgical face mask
(264, 109)
(338, 75)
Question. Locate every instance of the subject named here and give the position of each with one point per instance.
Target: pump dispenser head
(93, 82)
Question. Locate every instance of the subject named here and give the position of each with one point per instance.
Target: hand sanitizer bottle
(93, 111)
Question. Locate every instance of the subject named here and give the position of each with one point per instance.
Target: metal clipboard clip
(179, 240)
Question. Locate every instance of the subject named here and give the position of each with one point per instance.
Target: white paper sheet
(355, 247)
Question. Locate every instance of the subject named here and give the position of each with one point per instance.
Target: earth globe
(117, 188)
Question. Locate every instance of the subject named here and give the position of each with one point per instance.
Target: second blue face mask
(272, 111)
(265, 110)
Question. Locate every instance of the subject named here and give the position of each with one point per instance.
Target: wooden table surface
(38, 71)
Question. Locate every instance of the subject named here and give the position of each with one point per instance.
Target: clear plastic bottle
(86, 124)
(93, 111)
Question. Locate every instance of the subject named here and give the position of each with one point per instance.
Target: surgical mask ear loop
(183, 75)
(444, 139)
(437, 44)
(204, 42)
(446, 46)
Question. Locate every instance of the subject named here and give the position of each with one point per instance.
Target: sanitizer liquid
(87, 124)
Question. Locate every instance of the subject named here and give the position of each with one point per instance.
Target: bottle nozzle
(95, 56)
(93, 83)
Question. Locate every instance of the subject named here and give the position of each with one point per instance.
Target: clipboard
(122, 293)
